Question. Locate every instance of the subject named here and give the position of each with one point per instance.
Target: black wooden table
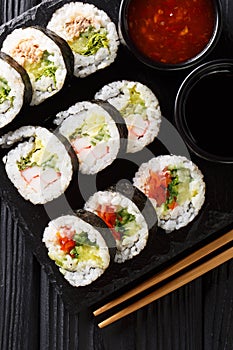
(32, 315)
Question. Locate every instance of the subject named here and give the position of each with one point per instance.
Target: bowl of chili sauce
(203, 110)
(170, 34)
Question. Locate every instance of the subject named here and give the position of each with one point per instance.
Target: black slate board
(215, 217)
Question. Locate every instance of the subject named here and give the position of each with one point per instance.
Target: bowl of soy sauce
(203, 110)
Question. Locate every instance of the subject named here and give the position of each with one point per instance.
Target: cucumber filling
(94, 128)
(38, 157)
(135, 105)
(43, 71)
(74, 250)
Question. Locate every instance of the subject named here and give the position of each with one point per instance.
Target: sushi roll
(95, 132)
(128, 225)
(175, 186)
(89, 32)
(78, 248)
(15, 89)
(40, 168)
(139, 107)
(47, 59)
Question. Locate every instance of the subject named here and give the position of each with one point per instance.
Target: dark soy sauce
(209, 113)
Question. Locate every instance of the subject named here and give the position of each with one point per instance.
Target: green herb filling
(90, 41)
(5, 91)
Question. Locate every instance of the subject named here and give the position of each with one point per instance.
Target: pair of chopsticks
(177, 282)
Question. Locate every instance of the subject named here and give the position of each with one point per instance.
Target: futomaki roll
(175, 186)
(90, 33)
(77, 247)
(128, 226)
(94, 133)
(139, 107)
(46, 57)
(40, 168)
(15, 89)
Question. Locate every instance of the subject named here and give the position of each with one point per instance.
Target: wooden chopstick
(169, 271)
(171, 286)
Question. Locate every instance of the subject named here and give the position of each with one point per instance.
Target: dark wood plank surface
(32, 315)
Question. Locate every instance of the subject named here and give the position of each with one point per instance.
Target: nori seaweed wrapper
(24, 75)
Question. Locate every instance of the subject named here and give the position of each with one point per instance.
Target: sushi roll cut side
(127, 189)
(89, 32)
(175, 186)
(92, 133)
(40, 168)
(41, 57)
(77, 248)
(122, 216)
(139, 107)
(15, 89)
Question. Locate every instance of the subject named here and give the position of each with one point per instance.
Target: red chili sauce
(171, 31)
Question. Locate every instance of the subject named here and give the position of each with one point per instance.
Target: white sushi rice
(139, 107)
(128, 246)
(26, 46)
(13, 103)
(39, 183)
(76, 272)
(184, 213)
(90, 117)
(75, 12)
